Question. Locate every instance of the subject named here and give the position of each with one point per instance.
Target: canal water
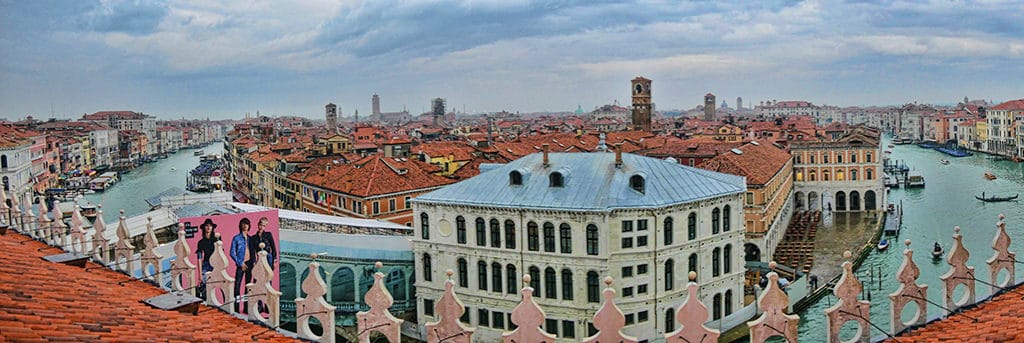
(930, 213)
(131, 192)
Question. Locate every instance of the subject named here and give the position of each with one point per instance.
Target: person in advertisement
(204, 249)
(240, 255)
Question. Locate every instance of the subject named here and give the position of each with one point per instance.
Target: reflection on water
(930, 214)
(131, 192)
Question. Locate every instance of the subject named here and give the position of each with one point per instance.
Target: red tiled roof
(1012, 105)
(374, 175)
(758, 162)
(999, 320)
(43, 301)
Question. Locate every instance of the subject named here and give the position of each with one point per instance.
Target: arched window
(481, 275)
(549, 237)
(853, 158)
(496, 277)
(812, 158)
(636, 182)
(869, 174)
(555, 180)
(728, 302)
(798, 159)
(691, 226)
(727, 260)
(535, 279)
(867, 157)
(716, 219)
(3, 161)
(425, 225)
(481, 232)
(550, 284)
(593, 287)
(463, 273)
(510, 278)
(839, 158)
(565, 238)
(495, 233)
(566, 284)
(726, 214)
(592, 240)
(7, 187)
(667, 229)
(343, 285)
(428, 268)
(717, 307)
(824, 158)
(853, 174)
(515, 178)
(716, 259)
(825, 175)
(692, 265)
(670, 267)
(812, 176)
(288, 281)
(510, 234)
(532, 237)
(670, 320)
(460, 229)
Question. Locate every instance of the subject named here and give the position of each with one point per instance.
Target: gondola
(937, 251)
(883, 245)
(995, 198)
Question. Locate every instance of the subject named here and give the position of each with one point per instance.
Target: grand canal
(131, 192)
(930, 214)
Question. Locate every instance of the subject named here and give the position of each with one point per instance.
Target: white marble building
(570, 219)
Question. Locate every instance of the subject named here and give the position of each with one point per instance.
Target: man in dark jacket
(262, 236)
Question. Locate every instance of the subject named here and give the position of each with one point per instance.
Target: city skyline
(175, 59)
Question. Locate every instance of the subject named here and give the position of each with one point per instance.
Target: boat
(990, 176)
(891, 146)
(173, 168)
(888, 151)
(937, 251)
(995, 198)
(197, 153)
(944, 161)
(915, 179)
(883, 245)
(89, 210)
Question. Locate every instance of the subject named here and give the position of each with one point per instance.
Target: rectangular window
(498, 320)
(511, 325)
(407, 205)
(465, 316)
(641, 269)
(627, 291)
(642, 316)
(376, 207)
(630, 319)
(750, 198)
(641, 225)
(627, 226)
(551, 326)
(641, 241)
(641, 289)
(627, 271)
(483, 317)
(391, 205)
(591, 330)
(568, 329)
(428, 307)
(627, 242)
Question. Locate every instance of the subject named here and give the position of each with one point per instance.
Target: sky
(199, 58)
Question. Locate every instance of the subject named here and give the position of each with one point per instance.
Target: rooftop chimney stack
(618, 155)
(545, 148)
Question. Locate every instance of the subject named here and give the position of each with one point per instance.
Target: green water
(131, 192)
(930, 214)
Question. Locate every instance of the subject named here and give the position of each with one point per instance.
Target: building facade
(571, 219)
(842, 175)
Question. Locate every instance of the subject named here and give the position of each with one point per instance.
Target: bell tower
(331, 112)
(641, 88)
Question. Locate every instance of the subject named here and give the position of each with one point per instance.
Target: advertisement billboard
(241, 235)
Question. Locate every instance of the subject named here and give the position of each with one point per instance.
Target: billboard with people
(241, 236)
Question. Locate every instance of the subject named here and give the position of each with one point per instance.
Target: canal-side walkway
(849, 231)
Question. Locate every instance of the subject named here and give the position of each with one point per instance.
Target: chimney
(618, 155)
(544, 147)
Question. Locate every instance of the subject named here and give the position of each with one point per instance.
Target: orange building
(839, 175)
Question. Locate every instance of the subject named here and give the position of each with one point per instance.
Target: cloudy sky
(204, 58)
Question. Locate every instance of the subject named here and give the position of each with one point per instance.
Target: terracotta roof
(43, 301)
(999, 320)
(1012, 105)
(374, 175)
(758, 162)
(461, 151)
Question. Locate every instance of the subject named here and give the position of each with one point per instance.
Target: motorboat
(994, 198)
(937, 251)
(944, 161)
(883, 245)
(990, 176)
(891, 146)
(173, 168)
(197, 153)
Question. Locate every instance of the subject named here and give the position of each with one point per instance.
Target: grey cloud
(131, 17)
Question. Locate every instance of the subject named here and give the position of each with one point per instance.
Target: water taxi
(915, 179)
(197, 153)
(883, 245)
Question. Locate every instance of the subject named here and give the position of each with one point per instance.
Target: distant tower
(438, 111)
(709, 107)
(332, 117)
(357, 117)
(739, 103)
(641, 103)
(965, 100)
(376, 105)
